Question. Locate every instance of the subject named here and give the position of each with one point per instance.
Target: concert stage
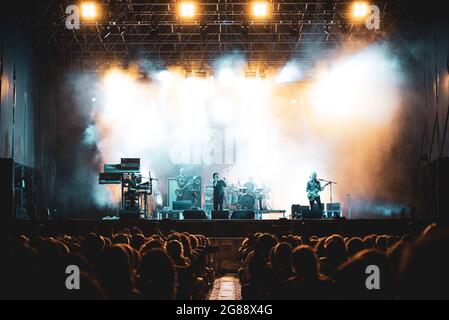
(223, 228)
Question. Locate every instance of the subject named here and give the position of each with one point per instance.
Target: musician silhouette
(313, 192)
(219, 186)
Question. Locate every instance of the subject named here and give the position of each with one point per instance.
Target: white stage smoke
(277, 128)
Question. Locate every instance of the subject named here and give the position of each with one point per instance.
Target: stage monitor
(182, 205)
(220, 214)
(312, 214)
(130, 215)
(297, 209)
(6, 189)
(243, 215)
(194, 215)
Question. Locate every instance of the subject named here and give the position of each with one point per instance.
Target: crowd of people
(123, 265)
(180, 266)
(337, 267)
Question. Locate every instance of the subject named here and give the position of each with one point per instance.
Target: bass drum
(247, 202)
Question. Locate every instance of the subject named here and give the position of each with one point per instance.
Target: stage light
(260, 9)
(188, 74)
(89, 10)
(187, 9)
(244, 28)
(360, 10)
(327, 28)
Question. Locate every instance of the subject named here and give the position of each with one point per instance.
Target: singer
(219, 186)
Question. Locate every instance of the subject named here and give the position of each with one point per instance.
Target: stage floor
(222, 228)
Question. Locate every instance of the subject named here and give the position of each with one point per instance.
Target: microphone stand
(330, 185)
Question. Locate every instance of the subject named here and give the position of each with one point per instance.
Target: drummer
(250, 186)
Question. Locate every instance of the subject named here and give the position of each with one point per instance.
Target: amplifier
(297, 209)
(312, 214)
(243, 214)
(182, 205)
(336, 206)
(333, 210)
(169, 214)
(220, 215)
(194, 215)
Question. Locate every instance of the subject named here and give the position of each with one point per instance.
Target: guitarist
(219, 186)
(313, 191)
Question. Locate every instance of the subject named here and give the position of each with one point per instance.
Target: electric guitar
(312, 194)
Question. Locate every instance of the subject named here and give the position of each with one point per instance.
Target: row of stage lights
(188, 10)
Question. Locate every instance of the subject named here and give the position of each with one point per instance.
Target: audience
(335, 267)
(125, 265)
(131, 265)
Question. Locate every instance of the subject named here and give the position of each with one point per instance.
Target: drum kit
(237, 197)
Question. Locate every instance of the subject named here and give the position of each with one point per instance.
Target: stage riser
(223, 228)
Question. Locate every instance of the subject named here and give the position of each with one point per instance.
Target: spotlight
(203, 30)
(188, 74)
(89, 10)
(260, 9)
(121, 29)
(267, 28)
(187, 9)
(106, 32)
(359, 10)
(153, 29)
(201, 74)
(327, 28)
(244, 29)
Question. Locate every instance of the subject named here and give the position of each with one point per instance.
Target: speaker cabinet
(182, 205)
(243, 214)
(194, 215)
(297, 210)
(6, 189)
(129, 215)
(220, 215)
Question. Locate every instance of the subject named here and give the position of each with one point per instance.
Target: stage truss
(148, 31)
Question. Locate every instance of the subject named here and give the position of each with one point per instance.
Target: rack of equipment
(135, 188)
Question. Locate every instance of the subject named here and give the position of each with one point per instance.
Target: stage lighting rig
(89, 10)
(327, 27)
(360, 10)
(203, 30)
(294, 30)
(260, 9)
(244, 28)
(105, 32)
(153, 29)
(187, 9)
